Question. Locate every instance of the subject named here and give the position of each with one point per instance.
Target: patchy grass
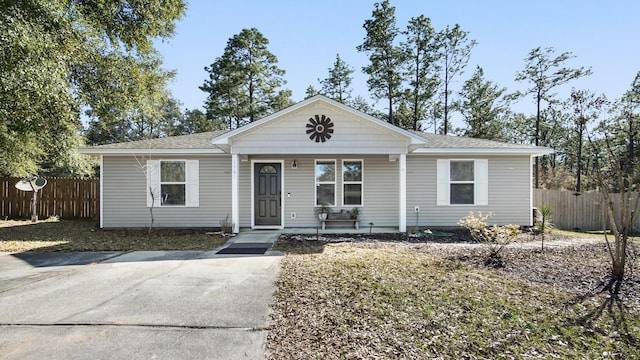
(65, 235)
(384, 300)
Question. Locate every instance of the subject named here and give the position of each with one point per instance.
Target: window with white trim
(462, 182)
(352, 181)
(173, 183)
(325, 172)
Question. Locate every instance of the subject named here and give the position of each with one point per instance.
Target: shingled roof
(435, 141)
(196, 143)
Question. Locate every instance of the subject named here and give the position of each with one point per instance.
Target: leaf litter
(359, 297)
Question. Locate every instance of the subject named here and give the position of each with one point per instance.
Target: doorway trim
(253, 194)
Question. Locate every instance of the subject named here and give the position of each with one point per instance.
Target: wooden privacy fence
(571, 210)
(66, 198)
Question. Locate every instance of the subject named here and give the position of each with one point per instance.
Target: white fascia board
(449, 151)
(97, 151)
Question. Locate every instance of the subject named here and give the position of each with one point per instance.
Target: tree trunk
(579, 172)
(446, 100)
(537, 139)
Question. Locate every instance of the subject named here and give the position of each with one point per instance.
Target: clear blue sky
(307, 35)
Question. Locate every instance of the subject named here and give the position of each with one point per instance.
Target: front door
(267, 194)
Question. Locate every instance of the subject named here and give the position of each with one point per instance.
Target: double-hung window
(352, 182)
(173, 183)
(325, 182)
(462, 182)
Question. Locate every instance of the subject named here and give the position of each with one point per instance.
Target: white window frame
(184, 162)
(480, 182)
(154, 182)
(361, 182)
(463, 182)
(316, 182)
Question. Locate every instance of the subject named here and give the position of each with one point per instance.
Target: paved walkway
(257, 236)
(146, 304)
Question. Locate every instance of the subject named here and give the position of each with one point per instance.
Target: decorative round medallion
(320, 128)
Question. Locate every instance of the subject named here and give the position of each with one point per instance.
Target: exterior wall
(380, 190)
(288, 135)
(125, 201)
(124, 192)
(509, 192)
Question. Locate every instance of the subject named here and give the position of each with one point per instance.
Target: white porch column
(235, 204)
(402, 203)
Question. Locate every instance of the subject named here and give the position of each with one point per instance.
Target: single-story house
(276, 172)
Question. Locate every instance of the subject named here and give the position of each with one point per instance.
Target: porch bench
(343, 216)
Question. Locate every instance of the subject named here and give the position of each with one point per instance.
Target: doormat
(245, 249)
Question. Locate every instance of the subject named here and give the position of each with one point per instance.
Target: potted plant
(354, 213)
(323, 211)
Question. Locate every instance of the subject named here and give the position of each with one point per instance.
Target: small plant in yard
(226, 225)
(545, 224)
(493, 236)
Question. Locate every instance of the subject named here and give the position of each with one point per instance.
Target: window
(325, 182)
(173, 183)
(352, 182)
(462, 182)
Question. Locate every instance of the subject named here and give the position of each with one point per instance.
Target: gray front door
(267, 194)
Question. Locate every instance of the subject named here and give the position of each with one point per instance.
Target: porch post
(235, 216)
(402, 203)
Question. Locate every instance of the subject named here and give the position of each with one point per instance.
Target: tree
(546, 72)
(620, 181)
(455, 50)
(586, 106)
(139, 88)
(618, 177)
(483, 107)
(337, 85)
(53, 56)
(421, 66)
(243, 83)
(629, 121)
(311, 92)
(195, 121)
(361, 104)
(386, 58)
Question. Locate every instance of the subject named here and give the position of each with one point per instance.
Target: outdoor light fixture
(294, 165)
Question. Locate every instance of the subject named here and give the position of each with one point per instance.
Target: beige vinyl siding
(351, 135)
(380, 190)
(125, 200)
(509, 192)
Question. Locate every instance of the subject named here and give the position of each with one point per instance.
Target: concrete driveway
(140, 305)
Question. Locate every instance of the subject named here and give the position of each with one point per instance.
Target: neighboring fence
(66, 198)
(571, 210)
